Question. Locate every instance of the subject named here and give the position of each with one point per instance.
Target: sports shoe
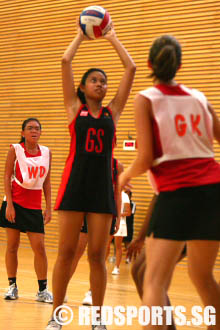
(116, 271)
(44, 296)
(87, 301)
(99, 327)
(53, 325)
(12, 292)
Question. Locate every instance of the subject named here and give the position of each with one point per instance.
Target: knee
(80, 250)
(201, 279)
(66, 253)
(137, 273)
(118, 248)
(12, 248)
(96, 257)
(39, 250)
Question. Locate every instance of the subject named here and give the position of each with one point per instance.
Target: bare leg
(138, 270)
(108, 247)
(162, 256)
(70, 223)
(40, 258)
(11, 257)
(98, 232)
(118, 245)
(201, 261)
(82, 243)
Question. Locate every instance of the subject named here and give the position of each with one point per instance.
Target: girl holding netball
(27, 173)
(87, 186)
(175, 128)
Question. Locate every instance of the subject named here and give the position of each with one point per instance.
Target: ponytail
(165, 57)
(81, 95)
(22, 140)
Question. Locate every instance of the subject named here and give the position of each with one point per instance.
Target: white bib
(184, 122)
(33, 169)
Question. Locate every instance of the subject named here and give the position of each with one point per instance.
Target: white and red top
(183, 138)
(30, 172)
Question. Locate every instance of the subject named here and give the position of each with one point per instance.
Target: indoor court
(27, 314)
(33, 37)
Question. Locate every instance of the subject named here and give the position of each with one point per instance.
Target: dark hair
(80, 93)
(165, 57)
(25, 122)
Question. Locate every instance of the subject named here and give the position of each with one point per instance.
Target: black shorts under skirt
(84, 228)
(191, 213)
(130, 229)
(26, 220)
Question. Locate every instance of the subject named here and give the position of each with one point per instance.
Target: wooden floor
(27, 314)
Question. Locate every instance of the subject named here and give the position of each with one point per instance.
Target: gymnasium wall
(33, 37)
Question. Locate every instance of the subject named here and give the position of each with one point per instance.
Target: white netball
(94, 21)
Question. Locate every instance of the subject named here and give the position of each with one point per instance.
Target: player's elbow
(132, 68)
(65, 60)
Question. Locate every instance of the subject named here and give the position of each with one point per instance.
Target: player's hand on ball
(110, 33)
(80, 31)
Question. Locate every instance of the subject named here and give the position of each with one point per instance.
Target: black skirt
(26, 220)
(191, 213)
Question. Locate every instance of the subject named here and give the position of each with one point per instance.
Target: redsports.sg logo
(144, 315)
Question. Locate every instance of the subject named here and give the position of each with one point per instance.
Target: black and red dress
(87, 182)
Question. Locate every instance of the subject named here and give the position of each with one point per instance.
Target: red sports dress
(184, 170)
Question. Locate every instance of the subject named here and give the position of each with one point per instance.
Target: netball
(94, 21)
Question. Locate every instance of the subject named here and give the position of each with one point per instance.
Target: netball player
(136, 251)
(175, 129)
(87, 186)
(122, 231)
(83, 237)
(130, 223)
(27, 173)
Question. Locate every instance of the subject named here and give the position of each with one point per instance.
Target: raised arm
(71, 100)
(118, 102)
(144, 158)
